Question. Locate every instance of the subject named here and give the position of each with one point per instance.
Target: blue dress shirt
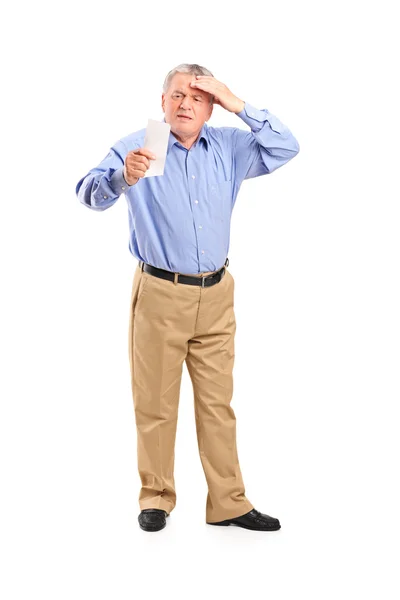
(180, 221)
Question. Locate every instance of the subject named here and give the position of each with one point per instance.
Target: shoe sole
(226, 524)
(157, 529)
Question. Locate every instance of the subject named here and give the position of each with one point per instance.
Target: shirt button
(200, 226)
(105, 197)
(193, 176)
(202, 251)
(123, 187)
(196, 201)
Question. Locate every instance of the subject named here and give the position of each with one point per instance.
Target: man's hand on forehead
(222, 94)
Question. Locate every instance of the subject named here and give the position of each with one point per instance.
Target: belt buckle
(202, 280)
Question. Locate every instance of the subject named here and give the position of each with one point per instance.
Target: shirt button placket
(196, 202)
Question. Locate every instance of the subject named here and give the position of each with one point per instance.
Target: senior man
(182, 303)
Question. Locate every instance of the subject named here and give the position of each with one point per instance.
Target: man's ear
(163, 101)
(210, 112)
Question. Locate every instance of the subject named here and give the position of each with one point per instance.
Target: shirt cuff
(255, 118)
(117, 181)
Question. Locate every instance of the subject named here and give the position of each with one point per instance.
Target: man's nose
(186, 103)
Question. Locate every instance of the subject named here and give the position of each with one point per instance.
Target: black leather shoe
(152, 519)
(252, 520)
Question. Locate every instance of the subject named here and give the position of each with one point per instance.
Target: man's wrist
(118, 181)
(241, 105)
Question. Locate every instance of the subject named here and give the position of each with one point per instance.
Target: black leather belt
(205, 281)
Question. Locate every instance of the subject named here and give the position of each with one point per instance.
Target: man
(183, 295)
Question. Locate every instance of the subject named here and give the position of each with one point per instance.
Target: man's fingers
(139, 159)
(142, 166)
(137, 162)
(144, 152)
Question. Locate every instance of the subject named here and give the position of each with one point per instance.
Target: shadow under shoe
(252, 520)
(152, 519)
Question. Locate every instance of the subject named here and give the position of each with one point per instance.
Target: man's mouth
(184, 117)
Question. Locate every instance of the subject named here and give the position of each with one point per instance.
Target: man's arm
(102, 186)
(268, 146)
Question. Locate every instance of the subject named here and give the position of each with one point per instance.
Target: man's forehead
(182, 83)
(181, 87)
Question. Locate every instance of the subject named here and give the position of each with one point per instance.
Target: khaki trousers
(171, 323)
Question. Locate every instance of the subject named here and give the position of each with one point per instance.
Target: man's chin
(182, 124)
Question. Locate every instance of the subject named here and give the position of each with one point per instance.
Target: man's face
(182, 99)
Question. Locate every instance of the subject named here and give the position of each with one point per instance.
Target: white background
(315, 256)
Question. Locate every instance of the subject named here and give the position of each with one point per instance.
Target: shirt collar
(202, 136)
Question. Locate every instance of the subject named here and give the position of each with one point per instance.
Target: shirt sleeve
(102, 186)
(268, 146)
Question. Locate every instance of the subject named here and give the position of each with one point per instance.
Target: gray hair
(187, 68)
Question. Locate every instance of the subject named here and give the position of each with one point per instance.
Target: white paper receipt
(156, 140)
